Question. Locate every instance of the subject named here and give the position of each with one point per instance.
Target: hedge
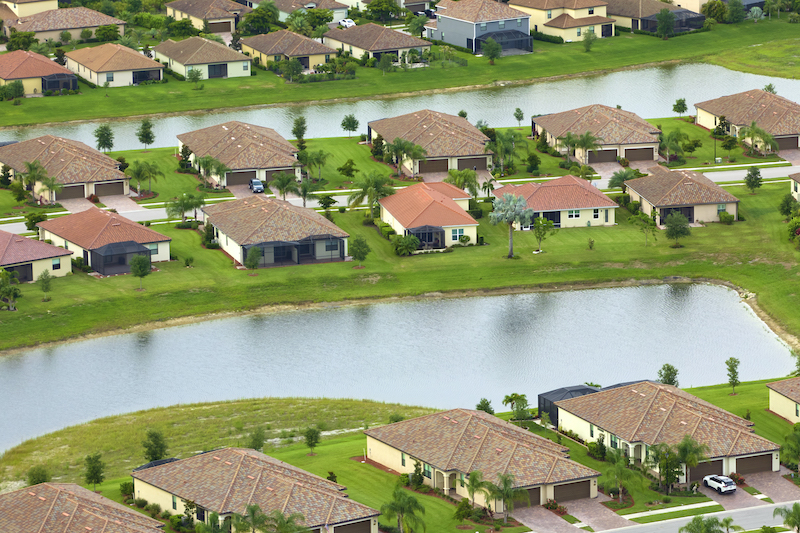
(454, 47)
(539, 36)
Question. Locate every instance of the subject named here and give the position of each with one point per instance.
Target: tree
(729, 143)
(291, 68)
(502, 146)
(617, 475)
(9, 292)
(348, 169)
(511, 399)
(511, 210)
(462, 114)
(145, 133)
(213, 525)
(285, 182)
(405, 245)
(51, 185)
(736, 12)
(349, 124)
(359, 249)
(680, 106)
(541, 228)
(378, 147)
(463, 510)
(86, 34)
(668, 375)
(791, 517)
(588, 142)
(521, 409)
(109, 32)
(371, 187)
(701, 524)
(178, 206)
(40, 48)
(404, 507)
(753, 179)
(491, 50)
(669, 466)
(665, 23)
(415, 24)
(253, 520)
(140, 267)
(569, 141)
(298, 23)
(277, 522)
(505, 491)
(45, 282)
(383, 9)
(144, 170)
(788, 206)
(18, 191)
(155, 445)
(770, 88)
(38, 474)
(94, 469)
(317, 159)
(259, 20)
(319, 18)
(677, 226)
(65, 37)
(386, 62)
(299, 128)
(5, 174)
(253, 258)
(769, 7)
(104, 137)
(475, 484)
(589, 37)
(728, 525)
(756, 134)
(466, 179)
(194, 76)
(619, 178)
(312, 436)
(21, 40)
(306, 190)
(671, 142)
(732, 364)
(519, 115)
(485, 406)
(488, 186)
(326, 201)
(691, 453)
(257, 439)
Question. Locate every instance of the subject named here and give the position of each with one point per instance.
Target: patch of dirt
(373, 279)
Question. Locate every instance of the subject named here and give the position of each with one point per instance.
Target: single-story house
(569, 201)
(11, 10)
(784, 399)
(622, 133)
(50, 24)
(450, 142)
(470, 23)
(634, 417)
(547, 400)
(641, 14)
(435, 213)
(222, 16)
(451, 445)
(568, 19)
(37, 73)
(106, 241)
(213, 59)
(228, 480)
(287, 7)
(69, 508)
(374, 39)
(29, 257)
(251, 152)
(684, 191)
(794, 185)
(287, 234)
(775, 114)
(81, 170)
(115, 64)
(284, 45)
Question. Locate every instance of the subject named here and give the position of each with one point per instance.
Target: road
(738, 175)
(750, 519)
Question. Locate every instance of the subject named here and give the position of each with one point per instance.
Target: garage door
(415, 8)
(602, 156)
(750, 465)
(433, 165)
(219, 27)
(108, 189)
(240, 178)
(70, 191)
(704, 469)
(534, 497)
(358, 527)
(572, 491)
(786, 143)
(639, 154)
(471, 162)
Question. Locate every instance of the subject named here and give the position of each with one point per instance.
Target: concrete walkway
(671, 510)
(120, 203)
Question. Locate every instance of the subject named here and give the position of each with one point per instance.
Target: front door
(470, 45)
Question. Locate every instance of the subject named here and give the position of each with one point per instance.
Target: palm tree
(792, 444)
(285, 182)
(588, 142)
(728, 525)
(466, 179)
(34, 172)
(317, 159)
(511, 399)
(511, 210)
(219, 169)
(206, 165)
(476, 485)
(416, 152)
(570, 141)
(253, 520)
(619, 178)
(404, 507)
(488, 186)
(691, 453)
(180, 205)
(372, 187)
(671, 142)
(396, 150)
(755, 134)
(213, 525)
(700, 524)
(144, 170)
(51, 185)
(770, 6)
(501, 146)
(277, 522)
(505, 491)
(618, 476)
(307, 190)
(791, 517)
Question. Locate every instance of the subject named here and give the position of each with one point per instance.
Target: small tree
(194, 76)
(505, 491)
(349, 124)
(677, 226)
(65, 37)
(140, 267)
(521, 409)
(732, 364)
(38, 474)
(519, 115)
(589, 37)
(485, 406)
(299, 128)
(104, 137)
(257, 438)
(155, 445)
(753, 179)
(619, 178)
(463, 510)
(462, 114)
(359, 249)
(348, 169)
(770, 88)
(291, 68)
(729, 143)
(145, 133)
(86, 34)
(668, 375)
(33, 218)
(680, 106)
(788, 206)
(736, 13)
(541, 228)
(385, 63)
(665, 23)
(491, 50)
(253, 258)
(45, 281)
(95, 469)
(312, 436)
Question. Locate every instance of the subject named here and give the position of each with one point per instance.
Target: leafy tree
(665, 23)
(588, 142)
(285, 182)
(65, 36)
(291, 68)
(259, 20)
(405, 245)
(475, 484)
(770, 88)
(194, 76)
(617, 475)
(466, 179)
(677, 226)
(18, 191)
(45, 282)
(702, 524)
(485, 406)
(788, 206)
(61, 57)
(21, 40)
(521, 409)
(519, 115)
(33, 218)
(736, 12)
(109, 32)
(319, 17)
(299, 128)
(462, 114)
(326, 201)
(404, 507)
(511, 210)
(415, 24)
(86, 34)
(463, 510)
(359, 249)
(5, 175)
(371, 187)
(38, 474)
(104, 137)
(386, 62)
(140, 267)
(505, 491)
(589, 37)
(257, 438)
(378, 147)
(541, 228)
(491, 50)
(348, 169)
(728, 525)
(298, 23)
(732, 364)
(619, 178)
(155, 445)
(729, 143)
(312, 436)
(253, 258)
(145, 133)
(669, 466)
(383, 9)
(253, 520)
(753, 179)
(680, 106)
(668, 375)
(691, 453)
(544, 418)
(349, 124)
(94, 472)
(213, 525)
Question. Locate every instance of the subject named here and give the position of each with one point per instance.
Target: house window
(591, 430)
(796, 409)
(443, 36)
(461, 479)
(483, 26)
(174, 503)
(110, 77)
(277, 58)
(402, 459)
(438, 18)
(614, 441)
(721, 208)
(456, 234)
(596, 214)
(153, 247)
(573, 213)
(795, 186)
(519, 22)
(66, 245)
(426, 470)
(351, 49)
(201, 515)
(502, 24)
(579, 32)
(245, 65)
(327, 58)
(331, 246)
(549, 13)
(606, 215)
(56, 264)
(591, 11)
(591, 29)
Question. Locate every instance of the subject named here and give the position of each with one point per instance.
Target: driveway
(593, 513)
(121, 203)
(792, 156)
(540, 520)
(740, 499)
(240, 191)
(76, 205)
(773, 485)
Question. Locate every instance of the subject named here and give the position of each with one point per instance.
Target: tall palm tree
(371, 187)
(253, 520)
(34, 172)
(488, 186)
(476, 485)
(416, 152)
(728, 525)
(285, 182)
(404, 507)
(505, 491)
(466, 179)
(691, 453)
(219, 169)
(277, 522)
(756, 134)
(792, 443)
(51, 185)
(511, 399)
(501, 146)
(701, 524)
(570, 141)
(317, 159)
(618, 476)
(307, 190)
(144, 170)
(588, 142)
(671, 142)
(396, 150)
(791, 517)
(770, 6)
(206, 166)
(213, 525)
(619, 178)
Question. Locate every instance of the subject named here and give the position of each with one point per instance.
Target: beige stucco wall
(580, 153)
(47, 264)
(471, 231)
(776, 462)
(261, 174)
(539, 18)
(196, 22)
(235, 68)
(625, 22)
(705, 119)
(794, 187)
(229, 246)
(708, 213)
(31, 8)
(358, 52)
(88, 189)
(313, 60)
(122, 78)
(31, 85)
(161, 255)
(155, 495)
(76, 32)
(586, 217)
(783, 406)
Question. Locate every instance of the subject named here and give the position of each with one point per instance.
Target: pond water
(441, 352)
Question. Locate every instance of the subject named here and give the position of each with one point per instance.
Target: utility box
(718, 160)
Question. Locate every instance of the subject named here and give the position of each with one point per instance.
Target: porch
(310, 250)
(115, 258)
(430, 237)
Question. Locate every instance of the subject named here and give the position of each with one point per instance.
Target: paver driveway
(540, 520)
(76, 205)
(773, 485)
(121, 203)
(738, 500)
(593, 513)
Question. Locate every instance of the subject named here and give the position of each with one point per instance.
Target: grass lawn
(678, 514)
(778, 59)
(341, 149)
(10, 208)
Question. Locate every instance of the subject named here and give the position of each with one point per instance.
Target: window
(56, 264)
(110, 77)
(438, 18)
(153, 247)
(461, 480)
(796, 409)
(201, 515)
(606, 215)
(331, 246)
(483, 26)
(245, 65)
(591, 430)
(426, 470)
(549, 13)
(502, 24)
(402, 459)
(596, 214)
(443, 36)
(174, 502)
(573, 213)
(721, 208)
(277, 58)
(351, 49)
(327, 58)
(591, 11)
(579, 32)
(591, 29)
(66, 245)
(519, 22)
(614, 441)
(456, 234)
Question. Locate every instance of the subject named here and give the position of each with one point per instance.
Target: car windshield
(256, 182)
(728, 482)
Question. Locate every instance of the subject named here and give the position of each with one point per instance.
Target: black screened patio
(430, 237)
(313, 249)
(60, 81)
(507, 39)
(115, 258)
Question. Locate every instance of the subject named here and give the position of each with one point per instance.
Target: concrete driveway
(774, 485)
(121, 203)
(240, 191)
(740, 499)
(76, 205)
(593, 513)
(540, 520)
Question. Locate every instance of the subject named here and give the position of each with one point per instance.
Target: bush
(153, 509)
(623, 199)
(126, 488)
(405, 480)
(184, 225)
(367, 222)
(342, 209)
(726, 218)
(539, 36)
(212, 246)
(141, 503)
(666, 499)
(93, 198)
(623, 161)
(564, 163)
(38, 474)
(737, 478)
(175, 521)
(165, 515)
(634, 207)
(551, 505)
(396, 417)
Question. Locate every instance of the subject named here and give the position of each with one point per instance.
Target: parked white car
(347, 23)
(721, 484)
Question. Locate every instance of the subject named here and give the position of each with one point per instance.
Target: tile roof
(69, 508)
(70, 162)
(478, 10)
(375, 38)
(786, 387)
(653, 413)
(259, 219)
(614, 126)
(21, 64)
(112, 57)
(95, 228)
(289, 6)
(664, 188)
(242, 146)
(210, 9)
(439, 134)
(795, 177)
(637, 9)
(567, 192)
(428, 204)
(566, 21)
(198, 51)
(285, 42)
(228, 480)
(558, 4)
(775, 114)
(465, 440)
(64, 19)
(16, 249)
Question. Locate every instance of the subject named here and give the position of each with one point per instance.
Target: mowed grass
(341, 149)
(778, 58)
(678, 514)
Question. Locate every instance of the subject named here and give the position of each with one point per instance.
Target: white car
(721, 484)
(347, 23)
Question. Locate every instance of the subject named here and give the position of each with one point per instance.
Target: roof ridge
(457, 442)
(50, 510)
(667, 413)
(478, 450)
(233, 480)
(255, 486)
(733, 444)
(72, 516)
(510, 456)
(646, 412)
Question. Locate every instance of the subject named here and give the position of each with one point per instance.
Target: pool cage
(507, 39)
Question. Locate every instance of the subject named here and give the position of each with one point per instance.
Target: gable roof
(428, 204)
(112, 57)
(289, 6)
(478, 10)
(637, 9)
(567, 21)
(614, 126)
(95, 228)
(375, 38)
(258, 219)
(567, 192)
(558, 4)
(21, 64)
(209, 9)
(776, 114)
(285, 42)
(664, 188)
(68, 18)
(198, 51)
(228, 480)
(467, 440)
(69, 508)
(16, 249)
(787, 387)
(795, 177)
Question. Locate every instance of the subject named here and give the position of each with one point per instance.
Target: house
(784, 399)
(69, 508)
(80, 170)
(547, 400)
(568, 201)
(212, 59)
(286, 234)
(222, 16)
(287, 7)
(50, 24)
(227, 480)
(29, 257)
(622, 133)
(775, 114)
(11, 10)
(105, 241)
(112, 63)
(641, 14)
(435, 213)
(684, 191)
(470, 23)
(249, 151)
(374, 40)
(452, 444)
(636, 416)
(568, 19)
(283, 45)
(450, 141)
(37, 73)
(794, 184)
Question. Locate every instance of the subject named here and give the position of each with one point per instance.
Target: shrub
(737, 478)
(726, 218)
(623, 161)
(153, 509)
(342, 209)
(633, 207)
(126, 488)
(539, 36)
(551, 505)
(564, 163)
(141, 503)
(367, 222)
(38, 474)
(424, 489)
(396, 417)
(184, 225)
(212, 246)
(165, 515)
(94, 199)
(405, 480)
(188, 261)
(623, 199)
(175, 521)
(666, 499)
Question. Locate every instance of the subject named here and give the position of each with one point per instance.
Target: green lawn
(678, 514)
(341, 149)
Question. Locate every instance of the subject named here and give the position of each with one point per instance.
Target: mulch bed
(627, 502)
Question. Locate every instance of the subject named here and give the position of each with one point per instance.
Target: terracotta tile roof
(375, 38)
(438, 133)
(209, 9)
(775, 114)
(94, 228)
(258, 219)
(21, 64)
(566, 21)
(558, 4)
(428, 204)
(638, 9)
(795, 177)
(64, 19)
(615, 126)
(478, 10)
(16, 249)
(230, 479)
(786, 387)
(289, 6)
(199, 51)
(112, 57)
(467, 440)
(653, 413)
(285, 42)
(664, 188)
(567, 192)
(70, 162)
(69, 508)
(242, 146)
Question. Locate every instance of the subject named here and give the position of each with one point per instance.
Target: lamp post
(714, 134)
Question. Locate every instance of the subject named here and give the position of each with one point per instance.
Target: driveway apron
(593, 513)
(738, 500)
(540, 520)
(774, 485)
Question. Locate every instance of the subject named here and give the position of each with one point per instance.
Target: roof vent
(32, 493)
(64, 514)
(498, 450)
(228, 463)
(216, 458)
(477, 436)
(662, 409)
(454, 421)
(446, 417)
(683, 423)
(270, 489)
(42, 498)
(250, 477)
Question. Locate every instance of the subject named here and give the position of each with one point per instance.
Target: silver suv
(721, 484)
(256, 185)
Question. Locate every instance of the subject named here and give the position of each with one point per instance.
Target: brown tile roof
(795, 177)
(428, 204)
(567, 192)
(94, 228)
(637, 9)
(16, 249)
(558, 4)
(6, 14)
(259, 219)
(653, 413)
(614, 126)
(68, 161)
(289, 6)
(210, 9)
(775, 114)
(565, 21)
(438, 133)
(112, 57)
(21, 64)
(64, 19)
(786, 387)
(478, 10)
(69, 508)
(664, 188)
(375, 38)
(465, 440)
(198, 51)
(230, 479)
(285, 42)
